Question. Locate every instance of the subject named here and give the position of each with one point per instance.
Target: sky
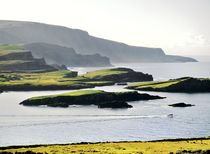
(177, 26)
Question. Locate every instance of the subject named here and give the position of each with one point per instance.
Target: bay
(147, 120)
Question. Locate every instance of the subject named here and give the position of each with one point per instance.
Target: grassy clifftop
(187, 146)
(14, 58)
(185, 84)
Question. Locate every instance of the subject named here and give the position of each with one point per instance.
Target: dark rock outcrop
(122, 83)
(181, 105)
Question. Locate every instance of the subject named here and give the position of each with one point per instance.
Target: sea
(147, 120)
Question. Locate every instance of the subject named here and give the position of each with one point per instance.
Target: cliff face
(22, 61)
(55, 54)
(81, 41)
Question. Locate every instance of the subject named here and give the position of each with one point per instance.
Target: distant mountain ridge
(82, 42)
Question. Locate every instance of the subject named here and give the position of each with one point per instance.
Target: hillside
(82, 42)
(55, 54)
(14, 58)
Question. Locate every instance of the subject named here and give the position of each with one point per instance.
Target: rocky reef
(90, 97)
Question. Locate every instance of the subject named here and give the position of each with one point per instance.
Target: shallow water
(147, 120)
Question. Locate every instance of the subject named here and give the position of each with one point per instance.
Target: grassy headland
(185, 146)
(185, 84)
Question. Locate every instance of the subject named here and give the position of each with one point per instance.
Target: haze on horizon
(178, 26)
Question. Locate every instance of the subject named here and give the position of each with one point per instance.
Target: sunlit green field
(159, 147)
(156, 84)
(103, 72)
(56, 78)
(75, 93)
(47, 78)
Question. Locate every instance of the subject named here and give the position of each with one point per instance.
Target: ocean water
(147, 120)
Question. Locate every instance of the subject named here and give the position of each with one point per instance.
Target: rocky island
(100, 98)
(181, 105)
(185, 85)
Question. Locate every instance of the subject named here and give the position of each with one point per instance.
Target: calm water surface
(147, 120)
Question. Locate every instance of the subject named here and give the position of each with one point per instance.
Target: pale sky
(177, 26)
